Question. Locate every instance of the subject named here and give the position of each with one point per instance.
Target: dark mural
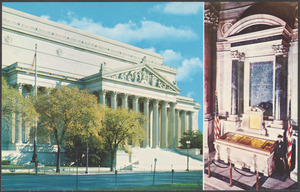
(261, 85)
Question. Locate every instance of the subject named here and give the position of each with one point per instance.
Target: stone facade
(117, 73)
(251, 59)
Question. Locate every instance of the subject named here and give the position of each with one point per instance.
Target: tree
(195, 137)
(120, 124)
(76, 143)
(67, 111)
(14, 102)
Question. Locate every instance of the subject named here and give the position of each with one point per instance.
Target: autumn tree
(14, 102)
(67, 111)
(121, 124)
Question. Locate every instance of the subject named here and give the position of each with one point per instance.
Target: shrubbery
(5, 162)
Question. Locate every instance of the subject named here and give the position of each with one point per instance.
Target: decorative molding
(8, 39)
(141, 76)
(211, 16)
(225, 27)
(59, 51)
(280, 50)
(236, 55)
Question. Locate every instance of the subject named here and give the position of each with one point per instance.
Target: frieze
(141, 76)
(81, 42)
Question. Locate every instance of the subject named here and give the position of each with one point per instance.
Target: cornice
(55, 31)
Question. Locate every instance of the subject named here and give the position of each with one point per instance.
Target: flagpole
(35, 80)
(34, 156)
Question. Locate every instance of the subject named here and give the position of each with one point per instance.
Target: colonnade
(165, 123)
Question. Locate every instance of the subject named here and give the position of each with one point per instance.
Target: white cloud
(152, 49)
(46, 17)
(171, 57)
(131, 32)
(180, 8)
(188, 68)
(190, 94)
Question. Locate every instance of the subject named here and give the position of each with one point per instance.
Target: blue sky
(172, 29)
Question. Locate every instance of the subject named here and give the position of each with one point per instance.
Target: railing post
(208, 167)
(230, 184)
(257, 181)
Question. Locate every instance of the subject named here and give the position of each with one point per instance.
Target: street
(95, 181)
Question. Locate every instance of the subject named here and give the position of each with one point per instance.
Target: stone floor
(243, 179)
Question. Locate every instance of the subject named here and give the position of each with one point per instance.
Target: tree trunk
(58, 159)
(112, 157)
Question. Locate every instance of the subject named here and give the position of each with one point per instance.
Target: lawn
(167, 187)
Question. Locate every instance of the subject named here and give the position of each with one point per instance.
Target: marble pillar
(147, 125)
(280, 104)
(172, 124)
(135, 103)
(211, 21)
(103, 97)
(125, 100)
(191, 114)
(155, 124)
(164, 138)
(183, 123)
(177, 128)
(19, 120)
(234, 83)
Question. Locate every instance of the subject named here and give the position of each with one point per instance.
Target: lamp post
(155, 160)
(87, 157)
(188, 142)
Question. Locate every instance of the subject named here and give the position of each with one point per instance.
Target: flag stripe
(217, 127)
(289, 137)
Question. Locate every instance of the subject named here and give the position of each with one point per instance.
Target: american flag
(217, 127)
(34, 58)
(289, 137)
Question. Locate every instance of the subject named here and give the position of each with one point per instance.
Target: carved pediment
(143, 76)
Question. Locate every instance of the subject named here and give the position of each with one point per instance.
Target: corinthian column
(19, 120)
(164, 125)
(147, 125)
(155, 124)
(103, 97)
(191, 114)
(177, 128)
(135, 102)
(183, 122)
(280, 104)
(172, 124)
(114, 100)
(125, 100)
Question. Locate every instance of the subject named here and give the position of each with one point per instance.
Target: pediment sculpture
(142, 76)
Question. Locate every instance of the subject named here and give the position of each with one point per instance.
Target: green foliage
(120, 125)
(5, 162)
(14, 102)
(67, 113)
(195, 137)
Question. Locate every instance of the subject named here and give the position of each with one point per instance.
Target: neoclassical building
(251, 62)
(118, 74)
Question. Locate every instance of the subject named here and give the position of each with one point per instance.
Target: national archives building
(118, 74)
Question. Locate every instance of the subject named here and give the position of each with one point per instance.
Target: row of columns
(162, 130)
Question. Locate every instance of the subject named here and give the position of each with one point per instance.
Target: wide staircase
(143, 159)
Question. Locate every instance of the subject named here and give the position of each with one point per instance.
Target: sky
(171, 29)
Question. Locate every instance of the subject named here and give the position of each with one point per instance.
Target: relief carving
(141, 76)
